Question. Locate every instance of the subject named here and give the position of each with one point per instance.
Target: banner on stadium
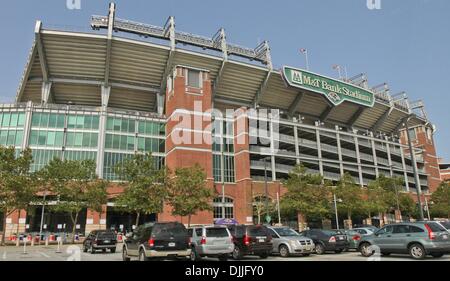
(334, 90)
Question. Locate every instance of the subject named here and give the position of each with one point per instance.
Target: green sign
(334, 90)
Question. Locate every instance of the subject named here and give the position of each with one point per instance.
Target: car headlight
(293, 243)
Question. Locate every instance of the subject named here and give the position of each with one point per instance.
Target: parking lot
(74, 253)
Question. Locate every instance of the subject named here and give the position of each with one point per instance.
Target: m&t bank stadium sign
(334, 90)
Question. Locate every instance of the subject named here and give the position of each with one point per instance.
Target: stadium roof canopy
(136, 64)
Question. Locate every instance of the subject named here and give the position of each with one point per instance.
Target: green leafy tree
(17, 184)
(76, 186)
(351, 195)
(381, 196)
(441, 201)
(307, 194)
(188, 193)
(407, 205)
(145, 186)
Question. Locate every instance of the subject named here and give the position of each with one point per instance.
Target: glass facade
(125, 137)
(223, 146)
(11, 129)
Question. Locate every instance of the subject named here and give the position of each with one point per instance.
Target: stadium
(119, 89)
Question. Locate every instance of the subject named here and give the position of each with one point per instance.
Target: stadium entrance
(124, 222)
(54, 222)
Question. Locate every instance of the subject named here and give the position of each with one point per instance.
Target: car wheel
(338, 251)
(284, 251)
(194, 255)
(223, 258)
(264, 256)
(437, 255)
(125, 256)
(306, 255)
(237, 253)
(85, 249)
(142, 256)
(416, 251)
(92, 249)
(113, 250)
(385, 254)
(104, 250)
(366, 250)
(320, 249)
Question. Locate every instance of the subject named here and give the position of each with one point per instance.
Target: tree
(407, 205)
(261, 208)
(17, 184)
(307, 194)
(441, 200)
(188, 193)
(145, 186)
(351, 195)
(76, 186)
(381, 196)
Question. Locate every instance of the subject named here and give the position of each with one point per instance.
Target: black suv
(327, 240)
(157, 240)
(100, 240)
(251, 240)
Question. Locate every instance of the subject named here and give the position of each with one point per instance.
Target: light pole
(222, 171)
(266, 188)
(414, 165)
(336, 211)
(42, 217)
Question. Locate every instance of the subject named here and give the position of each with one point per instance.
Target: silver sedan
(287, 242)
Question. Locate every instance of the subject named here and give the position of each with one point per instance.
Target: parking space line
(44, 255)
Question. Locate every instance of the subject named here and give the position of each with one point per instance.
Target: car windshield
(435, 227)
(286, 232)
(106, 235)
(446, 224)
(257, 231)
(217, 232)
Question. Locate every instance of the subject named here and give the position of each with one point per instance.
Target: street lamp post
(266, 187)
(336, 211)
(416, 174)
(42, 217)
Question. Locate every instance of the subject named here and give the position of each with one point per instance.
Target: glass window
(72, 122)
(80, 122)
(51, 138)
(108, 141)
(130, 143)
(70, 139)
(61, 121)
(34, 137)
(141, 129)
(59, 139)
(52, 121)
(132, 126)
(141, 144)
(6, 119)
(19, 138)
(11, 138)
(44, 120)
(35, 119)
(42, 140)
(193, 78)
(86, 140)
(110, 124)
(3, 137)
(14, 119)
(117, 124)
(94, 140)
(95, 122)
(116, 142)
(88, 122)
(78, 140)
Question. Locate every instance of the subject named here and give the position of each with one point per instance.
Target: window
(219, 206)
(193, 78)
(412, 132)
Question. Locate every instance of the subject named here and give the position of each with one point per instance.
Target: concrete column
(27, 125)
(358, 158)
(46, 92)
(106, 92)
(374, 153)
(297, 148)
(319, 150)
(405, 173)
(339, 147)
(388, 151)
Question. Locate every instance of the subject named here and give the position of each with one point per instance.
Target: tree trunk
(189, 221)
(138, 216)
(74, 227)
(4, 228)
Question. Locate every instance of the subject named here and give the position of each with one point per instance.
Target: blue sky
(405, 44)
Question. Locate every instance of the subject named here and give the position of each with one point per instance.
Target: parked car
(416, 239)
(366, 231)
(445, 224)
(157, 240)
(327, 240)
(100, 240)
(287, 242)
(353, 238)
(211, 241)
(251, 240)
